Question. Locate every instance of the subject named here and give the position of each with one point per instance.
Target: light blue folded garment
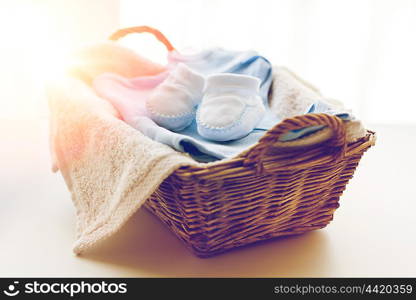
(211, 62)
(317, 107)
(219, 60)
(188, 140)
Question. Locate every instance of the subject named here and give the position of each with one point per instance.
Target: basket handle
(337, 142)
(141, 29)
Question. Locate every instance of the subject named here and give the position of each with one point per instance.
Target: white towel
(109, 167)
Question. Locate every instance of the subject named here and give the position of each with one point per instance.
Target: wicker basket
(269, 191)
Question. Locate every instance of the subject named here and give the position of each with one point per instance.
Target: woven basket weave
(269, 191)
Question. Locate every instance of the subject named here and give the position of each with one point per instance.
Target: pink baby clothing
(128, 95)
(108, 56)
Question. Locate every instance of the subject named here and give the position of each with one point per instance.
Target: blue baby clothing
(188, 140)
(219, 60)
(127, 98)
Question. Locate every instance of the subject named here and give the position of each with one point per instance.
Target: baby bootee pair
(226, 106)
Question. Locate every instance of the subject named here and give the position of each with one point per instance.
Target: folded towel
(292, 96)
(109, 167)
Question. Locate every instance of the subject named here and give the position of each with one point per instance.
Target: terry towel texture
(109, 167)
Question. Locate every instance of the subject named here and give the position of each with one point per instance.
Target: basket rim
(190, 171)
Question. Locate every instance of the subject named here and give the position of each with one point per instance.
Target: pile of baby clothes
(213, 104)
(121, 124)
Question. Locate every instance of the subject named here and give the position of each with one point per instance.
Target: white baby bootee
(231, 107)
(173, 103)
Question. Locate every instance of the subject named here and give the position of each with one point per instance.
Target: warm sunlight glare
(34, 42)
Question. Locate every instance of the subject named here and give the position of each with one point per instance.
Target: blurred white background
(36, 37)
(361, 52)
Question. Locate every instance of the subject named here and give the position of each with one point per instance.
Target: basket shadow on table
(144, 245)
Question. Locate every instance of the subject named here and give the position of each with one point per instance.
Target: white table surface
(372, 234)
